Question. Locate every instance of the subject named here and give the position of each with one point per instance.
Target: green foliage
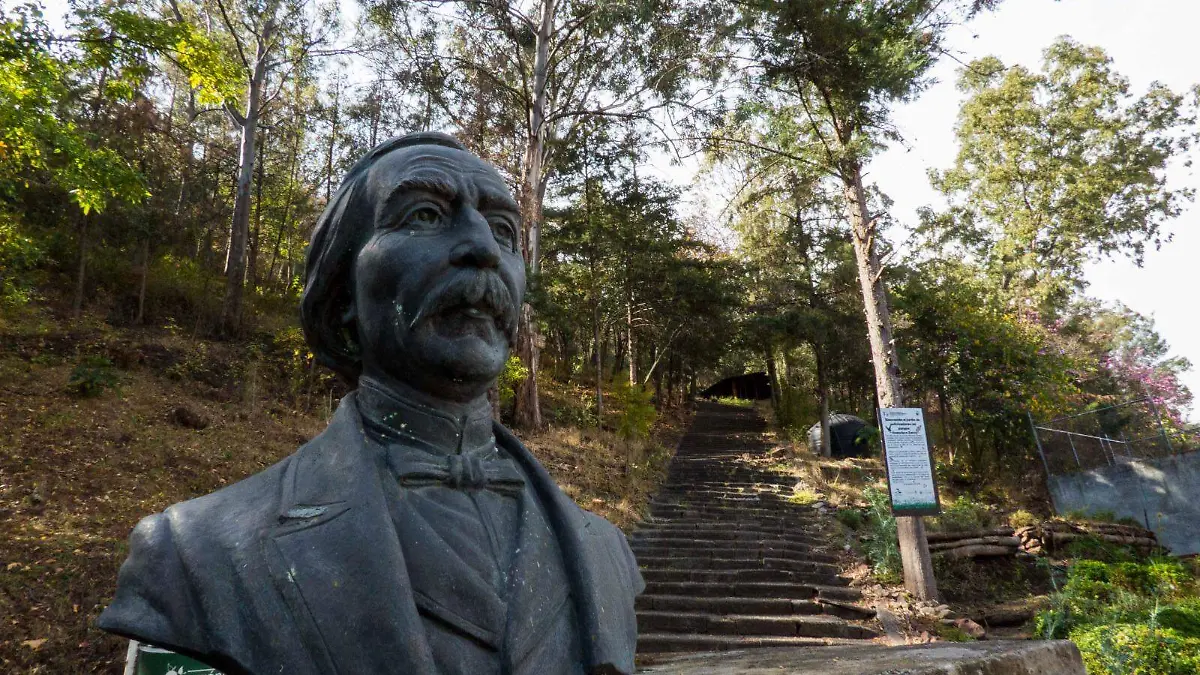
(879, 540)
(34, 86)
(1137, 650)
(962, 515)
(851, 518)
(1128, 617)
(92, 376)
(1059, 166)
(19, 256)
(513, 374)
(734, 401)
(637, 413)
(1022, 518)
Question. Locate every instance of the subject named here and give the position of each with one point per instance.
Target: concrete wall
(1163, 494)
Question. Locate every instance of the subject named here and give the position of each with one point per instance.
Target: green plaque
(147, 660)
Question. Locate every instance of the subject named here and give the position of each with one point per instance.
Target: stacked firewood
(1052, 535)
(996, 541)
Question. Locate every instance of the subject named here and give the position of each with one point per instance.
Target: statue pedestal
(1058, 657)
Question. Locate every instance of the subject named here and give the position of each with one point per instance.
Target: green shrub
(92, 376)
(962, 515)
(513, 374)
(1183, 618)
(637, 410)
(879, 541)
(851, 518)
(1137, 650)
(19, 257)
(1022, 518)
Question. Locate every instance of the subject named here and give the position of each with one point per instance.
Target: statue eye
(504, 231)
(423, 218)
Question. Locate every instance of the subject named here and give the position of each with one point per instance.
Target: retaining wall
(1163, 494)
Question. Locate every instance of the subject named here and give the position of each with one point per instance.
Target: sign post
(913, 492)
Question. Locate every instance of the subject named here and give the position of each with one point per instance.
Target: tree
(1059, 167)
(844, 62)
(521, 80)
(37, 136)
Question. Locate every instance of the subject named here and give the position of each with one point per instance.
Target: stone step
(712, 537)
(660, 643)
(794, 625)
(759, 546)
(728, 551)
(738, 575)
(766, 525)
(739, 563)
(753, 589)
(728, 605)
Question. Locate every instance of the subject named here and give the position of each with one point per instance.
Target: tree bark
(914, 549)
(80, 269)
(141, 310)
(823, 400)
(239, 233)
(527, 411)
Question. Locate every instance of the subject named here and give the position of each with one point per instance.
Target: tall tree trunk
(255, 240)
(80, 268)
(599, 365)
(773, 378)
(239, 232)
(633, 372)
(141, 310)
(823, 399)
(527, 411)
(914, 548)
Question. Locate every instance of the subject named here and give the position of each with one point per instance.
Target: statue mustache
(484, 290)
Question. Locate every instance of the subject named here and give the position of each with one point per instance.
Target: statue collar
(391, 419)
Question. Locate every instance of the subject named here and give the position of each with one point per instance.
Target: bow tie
(463, 471)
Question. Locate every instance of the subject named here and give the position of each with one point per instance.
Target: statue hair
(338, 236)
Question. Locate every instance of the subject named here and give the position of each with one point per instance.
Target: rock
(970, 628)
(187, 418)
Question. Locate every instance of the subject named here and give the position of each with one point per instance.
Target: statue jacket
(298, 570)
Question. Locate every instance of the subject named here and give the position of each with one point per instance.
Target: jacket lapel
(336, 558)
(602, 590)
(538, 586)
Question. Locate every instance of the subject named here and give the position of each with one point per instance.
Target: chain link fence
(1110, 435)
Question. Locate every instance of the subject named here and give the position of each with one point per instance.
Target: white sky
(1148, 40)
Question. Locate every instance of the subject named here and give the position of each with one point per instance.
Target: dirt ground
(77, 473)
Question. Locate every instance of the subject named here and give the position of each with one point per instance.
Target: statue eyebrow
(427, 182)
(490, 198)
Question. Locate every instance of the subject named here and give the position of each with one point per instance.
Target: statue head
(414, 275)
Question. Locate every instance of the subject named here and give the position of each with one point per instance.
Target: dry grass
(76, 474)
(603, 473)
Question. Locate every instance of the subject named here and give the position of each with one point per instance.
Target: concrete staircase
(728, 561)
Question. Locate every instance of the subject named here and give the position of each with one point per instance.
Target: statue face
(439, 283)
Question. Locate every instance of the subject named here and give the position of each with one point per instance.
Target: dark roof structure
(753, 386)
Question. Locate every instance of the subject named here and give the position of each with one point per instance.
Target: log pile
(997, 541)
(1051, 536)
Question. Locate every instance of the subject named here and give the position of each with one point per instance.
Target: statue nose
(479, 247)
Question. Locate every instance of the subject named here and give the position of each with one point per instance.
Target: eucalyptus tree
(1059, 167)
(843, 63)
(519, 80)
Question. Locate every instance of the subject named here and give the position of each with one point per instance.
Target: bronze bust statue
(413, 535)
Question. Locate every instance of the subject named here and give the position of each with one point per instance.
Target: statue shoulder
(209, 538)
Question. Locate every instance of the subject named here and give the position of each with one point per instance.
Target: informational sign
(146, 660)
(909, 465)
